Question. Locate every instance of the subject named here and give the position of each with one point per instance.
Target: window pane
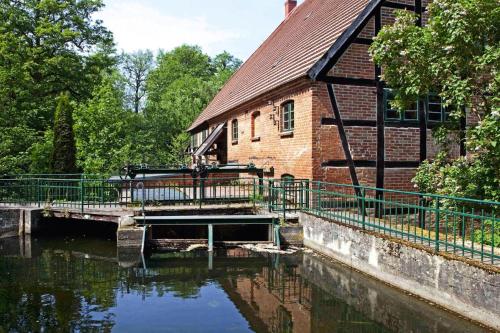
(412, 112)
(287, 118)
(435, 108)
(392, 114)
(235, 130)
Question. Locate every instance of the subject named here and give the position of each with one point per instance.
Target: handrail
(464, 226)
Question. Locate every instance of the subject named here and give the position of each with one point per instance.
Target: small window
(287, 117)
(437, 112)
(255, 125)
(287, 180)
(392, 114)
(194, 141)
(204, 135)
(234, 130)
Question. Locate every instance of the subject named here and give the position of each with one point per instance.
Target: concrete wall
(9, 222)
(15, 221)
(471, 291)
(377, 301)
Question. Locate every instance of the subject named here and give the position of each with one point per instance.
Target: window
(204, 135)
(437, 112)
(234, 130)
(194, 141)
(287, 117)
(255, 125)
(392, 114)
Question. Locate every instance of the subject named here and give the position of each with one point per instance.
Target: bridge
(459, 226)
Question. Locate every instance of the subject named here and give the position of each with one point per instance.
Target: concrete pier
(19, 221)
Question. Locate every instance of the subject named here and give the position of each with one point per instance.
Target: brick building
(309, 102)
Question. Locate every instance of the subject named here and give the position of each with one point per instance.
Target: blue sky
(237, 26)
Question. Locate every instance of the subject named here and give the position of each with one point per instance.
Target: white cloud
(136, 26)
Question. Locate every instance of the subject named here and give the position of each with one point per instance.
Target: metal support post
(210, 238)
(438, 217)
(277, 240)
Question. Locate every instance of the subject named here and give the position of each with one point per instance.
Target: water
(63, 285)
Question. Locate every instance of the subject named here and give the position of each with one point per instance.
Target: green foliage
(50, 47)
(46, 47)
(136, 67)
(106, 131)
(488, 234)
(39, 152)
(457, 55)
(179, 88)
(63, 149)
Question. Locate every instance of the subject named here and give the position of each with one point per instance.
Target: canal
(80, 283)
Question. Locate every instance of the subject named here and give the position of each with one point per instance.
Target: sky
(236, 26)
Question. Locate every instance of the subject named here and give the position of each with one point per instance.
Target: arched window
(255, 126)
(234, 130)
(288, 181)
(287, 116)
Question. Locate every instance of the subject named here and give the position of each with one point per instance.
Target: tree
(136, 67)
(225, 65)
(179, 88)
(455, 55)
(106, 131)
(46, 47)
(64, 150)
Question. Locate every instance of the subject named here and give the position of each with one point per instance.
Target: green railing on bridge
(460, 226)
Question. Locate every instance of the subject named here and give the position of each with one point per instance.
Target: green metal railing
(464, 227)
(460, 226)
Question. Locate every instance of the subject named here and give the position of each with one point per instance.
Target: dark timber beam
(349, 122)
(349, 81)
(396, 5)
(372, 123)
(363, 41)
(343, 138)
(372, 164)
(463, 126)
(380, 172)
(422, 110)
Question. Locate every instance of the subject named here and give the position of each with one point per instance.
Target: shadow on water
(80, 284)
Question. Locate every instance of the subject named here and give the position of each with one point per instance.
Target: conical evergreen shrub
(64, 149)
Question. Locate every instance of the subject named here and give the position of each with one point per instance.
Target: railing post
(254, 192)
(38, 192)
(301, 195)
(319, 199)
(195, 189)
(270, 195)
(82, 193)
(308, 188)
(202, 190)
(363, 208)
(284, 199)
(436, 229)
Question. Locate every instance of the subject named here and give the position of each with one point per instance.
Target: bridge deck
(208, 219)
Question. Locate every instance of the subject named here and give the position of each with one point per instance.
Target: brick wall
(268, 147)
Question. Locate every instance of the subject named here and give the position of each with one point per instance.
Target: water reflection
(85, 285)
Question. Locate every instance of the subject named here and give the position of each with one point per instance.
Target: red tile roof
(291, 50)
